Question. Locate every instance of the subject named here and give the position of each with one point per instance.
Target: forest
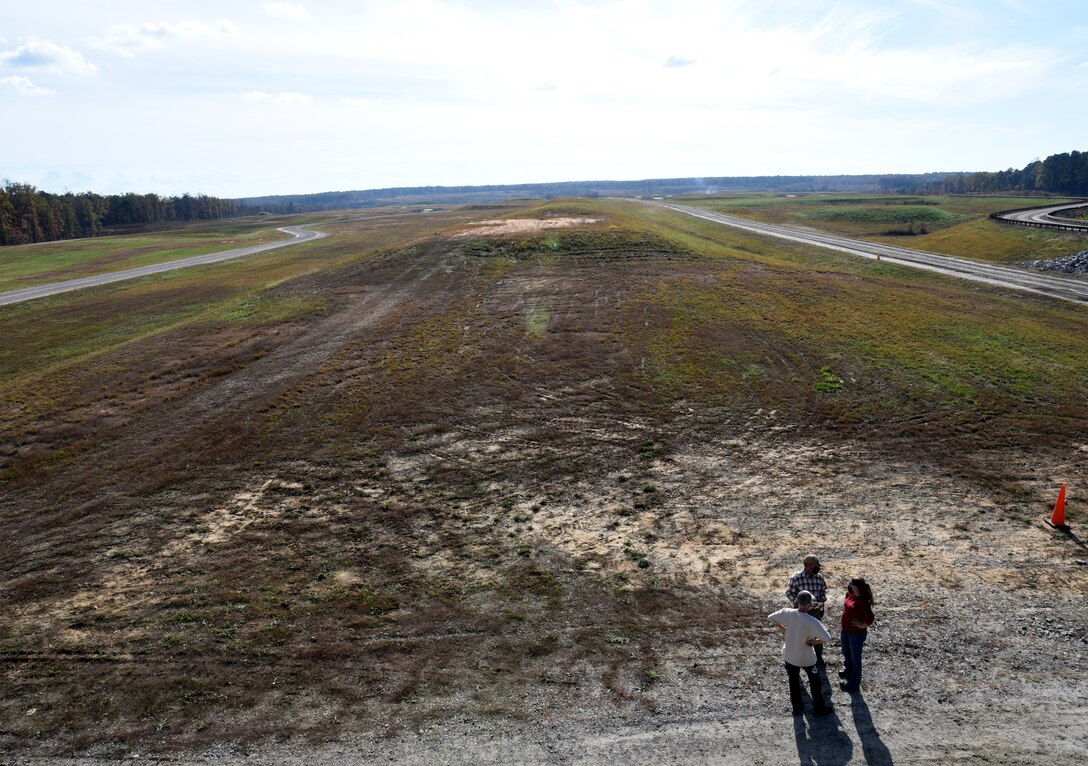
(28, 215)
(1065, 174)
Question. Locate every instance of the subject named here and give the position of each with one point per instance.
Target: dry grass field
(431, 476)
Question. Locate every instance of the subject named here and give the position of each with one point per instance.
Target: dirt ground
(683, 525)
(521, 226)
(980, 653)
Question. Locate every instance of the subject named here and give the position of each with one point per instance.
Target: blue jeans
(851, 657)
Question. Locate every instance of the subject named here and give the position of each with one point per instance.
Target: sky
(238, 98)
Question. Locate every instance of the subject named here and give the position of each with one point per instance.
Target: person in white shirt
(803, 633)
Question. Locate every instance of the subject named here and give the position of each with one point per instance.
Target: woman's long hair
(864, 590)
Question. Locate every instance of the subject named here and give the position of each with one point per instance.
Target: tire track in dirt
(155, 433)
(154, 436)
(304, 355)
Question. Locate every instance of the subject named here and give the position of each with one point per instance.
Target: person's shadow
(821, 740)
(875, 751)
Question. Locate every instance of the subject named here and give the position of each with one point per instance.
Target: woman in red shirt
(857, 616)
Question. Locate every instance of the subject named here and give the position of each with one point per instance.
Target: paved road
(1052, 285)
(1047, 216)
(299, 234)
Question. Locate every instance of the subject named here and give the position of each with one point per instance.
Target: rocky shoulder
(1077, 263)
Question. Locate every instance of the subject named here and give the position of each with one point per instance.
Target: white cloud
(356, 101)
(129, 39)
(292, 98)
(678, 61)
(286, 11)
(24, 87)
(43, 56)
(278, 98)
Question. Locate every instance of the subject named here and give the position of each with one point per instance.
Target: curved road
(1046, 216)
(1048, 284)
(299, 234)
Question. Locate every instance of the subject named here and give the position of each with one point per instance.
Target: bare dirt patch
(519, 226)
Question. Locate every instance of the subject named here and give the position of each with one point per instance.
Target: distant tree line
(1065, 174)
(28, 215)
(460, 195)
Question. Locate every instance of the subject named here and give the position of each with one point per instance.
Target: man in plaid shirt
(811, 580)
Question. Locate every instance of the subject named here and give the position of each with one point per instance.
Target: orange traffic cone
(1057, 519)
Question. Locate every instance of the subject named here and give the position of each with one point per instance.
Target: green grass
(883, 214)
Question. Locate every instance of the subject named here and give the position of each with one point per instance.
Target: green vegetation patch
(599, 243)
(880, 214)
(272, 309)
(942, 364)
(828, 382)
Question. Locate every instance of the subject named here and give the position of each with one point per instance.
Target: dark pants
(815, 683)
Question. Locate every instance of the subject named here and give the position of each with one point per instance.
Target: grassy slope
(906, 347)
(119, 475)
(955, 225)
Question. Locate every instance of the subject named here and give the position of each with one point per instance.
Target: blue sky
(249, 98)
